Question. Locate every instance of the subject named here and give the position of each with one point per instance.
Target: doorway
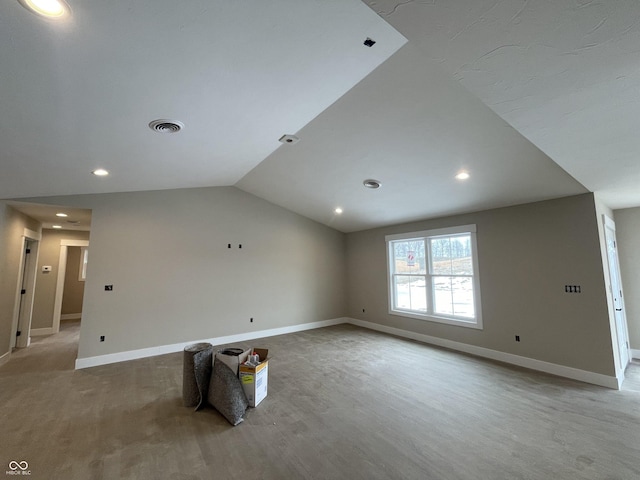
(65, 245)
(23, 307)
(622, 333)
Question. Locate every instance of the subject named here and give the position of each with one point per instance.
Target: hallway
(50, 353)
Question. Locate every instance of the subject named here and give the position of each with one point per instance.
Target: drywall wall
(175, 279)
(526, 255)
(628, 236)
(43, 303)
(12, 226)
(73, 286)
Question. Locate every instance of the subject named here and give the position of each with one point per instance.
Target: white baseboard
(34, 332)
(533, 364)
(552, 368)
(178, 347)
(5, 357)
(71, 316)
(635, 354)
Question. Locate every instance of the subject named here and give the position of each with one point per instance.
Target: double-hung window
(433, 275)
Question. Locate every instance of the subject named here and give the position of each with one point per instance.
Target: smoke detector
(371, 183)
(289, 139)
(166, 126)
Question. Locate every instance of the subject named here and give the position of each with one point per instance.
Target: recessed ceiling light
(56, 226)
(338, 211)
(47, 8)
(100, 172)
(462, 175)
(61, 214)
(371, 183)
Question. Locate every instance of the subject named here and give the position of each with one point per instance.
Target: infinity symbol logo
(13, 465)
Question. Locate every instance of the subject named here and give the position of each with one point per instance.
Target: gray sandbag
(196, 373)
(226, 393)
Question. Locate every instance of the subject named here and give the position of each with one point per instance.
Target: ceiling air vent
(371, 183)
(166, 126)
(289, 139)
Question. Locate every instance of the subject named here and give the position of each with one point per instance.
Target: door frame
(22, 316)
(62, 271)
(620, 331)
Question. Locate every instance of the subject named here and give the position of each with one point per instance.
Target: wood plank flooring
(343, 403)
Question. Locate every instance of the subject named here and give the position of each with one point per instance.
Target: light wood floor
(343, 403)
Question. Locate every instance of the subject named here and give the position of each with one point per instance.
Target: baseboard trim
(71, 316)
(530, 363)
(34, 332)
(5, 357)
(539, 365)
(178, 347)
(635, 354)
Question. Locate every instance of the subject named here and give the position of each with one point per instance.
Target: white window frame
(82, 271)
(430, 316)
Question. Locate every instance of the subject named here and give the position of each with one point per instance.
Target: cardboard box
(255, 379)
(233, 361)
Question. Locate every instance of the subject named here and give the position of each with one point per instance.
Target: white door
(616, 292)
(26, 279)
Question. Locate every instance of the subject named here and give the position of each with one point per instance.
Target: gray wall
(12, 225)
(174, 279)
(526, 254)
(49, 254)
(73, 287)
(628, 236)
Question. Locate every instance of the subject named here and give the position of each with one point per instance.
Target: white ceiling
(517, 92)
(564, 73)
(76, 219)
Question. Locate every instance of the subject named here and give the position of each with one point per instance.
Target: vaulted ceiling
(535, 100)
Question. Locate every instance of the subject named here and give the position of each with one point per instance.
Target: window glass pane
(410, 293)
(453, 296)
(442, 300)
(462, 294)
(461, 263)
(441, 256)
(409, 257)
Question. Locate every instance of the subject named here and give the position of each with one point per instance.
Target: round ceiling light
(371, 183)
(463, 175)
(166, 126)
(47, 8)
(338, 211)
(61, 214)
(100, 172)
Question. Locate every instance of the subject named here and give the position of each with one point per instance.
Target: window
(433, 275)
(84, 257)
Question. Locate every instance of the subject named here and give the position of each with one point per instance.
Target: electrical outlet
(102, 338)
(572, 289)
(363, 311)
(108, 288)
(517, 338)
(251, 320)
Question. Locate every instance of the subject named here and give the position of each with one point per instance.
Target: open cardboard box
(233, 361)
(255, 379)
